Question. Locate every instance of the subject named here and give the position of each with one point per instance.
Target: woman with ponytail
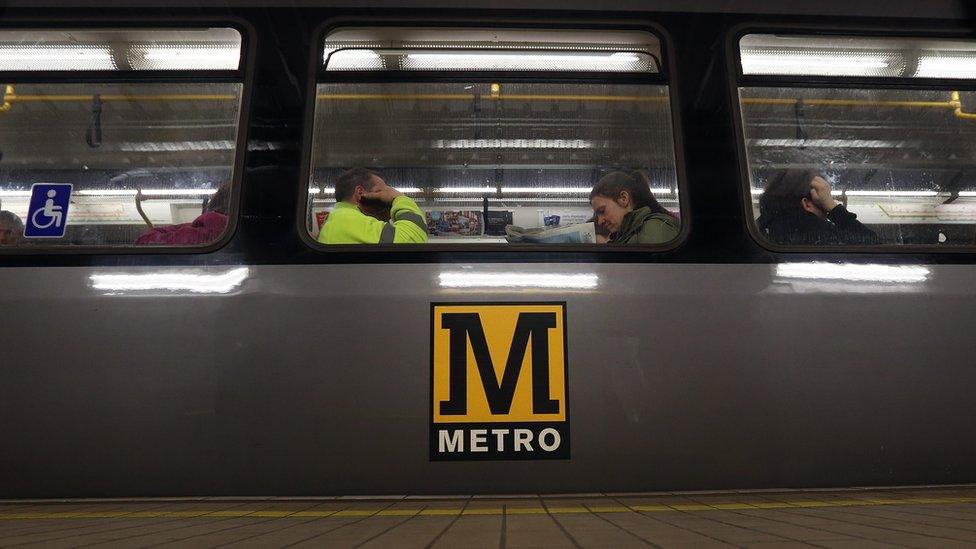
(622, 203)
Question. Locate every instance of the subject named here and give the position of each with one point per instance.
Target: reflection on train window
(898, 159)
(495, 160)
(125, 163)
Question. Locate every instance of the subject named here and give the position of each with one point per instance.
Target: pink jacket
(203, 230)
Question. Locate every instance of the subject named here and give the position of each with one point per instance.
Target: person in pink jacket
(205, 229)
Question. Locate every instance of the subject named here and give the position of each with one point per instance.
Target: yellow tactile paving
(553, 506)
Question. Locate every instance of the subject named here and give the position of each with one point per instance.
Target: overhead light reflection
(555, 60)
(581, 281)
(331, 190)
(187, 56)
(815, 62)
(853, 272)
(513, 144)
(71, 57)
(191, 282)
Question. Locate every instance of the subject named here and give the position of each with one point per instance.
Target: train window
(498, 135)
(882, 127)
(117, 137)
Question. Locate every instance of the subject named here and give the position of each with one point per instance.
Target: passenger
(11, 229)
(207, 228)
(797, 208)
(623, 204)
(361, 193)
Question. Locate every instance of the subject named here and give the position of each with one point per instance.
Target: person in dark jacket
(623, 204)
(797, 208)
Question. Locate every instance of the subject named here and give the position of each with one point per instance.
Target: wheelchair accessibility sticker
(47, 216)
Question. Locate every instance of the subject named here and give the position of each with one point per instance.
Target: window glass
(502, 161)
(130, 164)
(899, 160)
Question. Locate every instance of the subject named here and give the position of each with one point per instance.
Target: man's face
(8, 234)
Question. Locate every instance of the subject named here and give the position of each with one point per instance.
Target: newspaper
(582, 233)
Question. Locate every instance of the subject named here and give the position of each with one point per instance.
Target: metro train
(170, 326)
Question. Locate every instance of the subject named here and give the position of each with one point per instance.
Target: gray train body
(268, 368)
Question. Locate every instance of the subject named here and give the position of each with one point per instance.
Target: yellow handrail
(957, 108)
(11, 97)
(125, 98)
(470, 97)
(954, 104)
(848, 103)
(8, 92)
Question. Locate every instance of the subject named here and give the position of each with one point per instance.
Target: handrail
(957, 108)
(139, 198)
(8, 92)
(11, 97)
(492, 97)
(954, 103)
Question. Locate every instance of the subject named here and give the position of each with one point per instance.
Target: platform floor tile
(853, 518)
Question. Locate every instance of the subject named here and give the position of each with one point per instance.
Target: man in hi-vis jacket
(360, 189)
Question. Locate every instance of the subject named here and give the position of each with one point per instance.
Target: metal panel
(313, 379)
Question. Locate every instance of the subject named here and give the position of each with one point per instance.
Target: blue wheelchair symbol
(47, 214)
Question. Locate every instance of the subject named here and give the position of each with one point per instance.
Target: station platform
(893, 517)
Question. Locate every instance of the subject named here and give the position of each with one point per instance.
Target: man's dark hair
(784, 190)
(355, 177)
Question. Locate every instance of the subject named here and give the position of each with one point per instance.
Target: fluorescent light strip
(511, 190)
(461, 190)
(190, 56)
(939, 66)
(535, 200)
(814, 63)
(833, 143)
(174, 146)
(582, 281)
(512, 144)
(757, 192)
(568, 190)
(853, 272)
(891, 193)
(179, 192)
(352, 59)
(555, 61)
(124, 192)
(75, 57)
(551, 190)
(331, 190)
(146, 192)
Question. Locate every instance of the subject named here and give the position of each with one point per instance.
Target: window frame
(737, 79)
(243, 75)
(317, 75)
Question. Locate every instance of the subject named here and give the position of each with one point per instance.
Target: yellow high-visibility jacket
(347, 225)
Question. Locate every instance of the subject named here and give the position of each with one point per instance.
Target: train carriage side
(172, 326)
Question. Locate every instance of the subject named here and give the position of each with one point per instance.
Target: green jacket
(347, 225)
(643, 227)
